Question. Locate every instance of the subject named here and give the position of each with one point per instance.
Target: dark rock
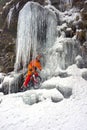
(83, 49)
(69, 32)
(83, 13)
(63, 74)
(78, 3)
(81, 35)
(55, 3)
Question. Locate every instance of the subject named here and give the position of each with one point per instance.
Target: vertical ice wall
(36, 32)
(60, 56)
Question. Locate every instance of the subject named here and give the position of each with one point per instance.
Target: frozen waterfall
(36, 32)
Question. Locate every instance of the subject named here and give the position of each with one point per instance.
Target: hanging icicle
(9, 16)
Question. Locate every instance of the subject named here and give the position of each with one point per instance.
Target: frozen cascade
(12, 82)
(60, 56)
(36, 32)
(9, 16)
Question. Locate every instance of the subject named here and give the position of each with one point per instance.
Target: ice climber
(32, 69)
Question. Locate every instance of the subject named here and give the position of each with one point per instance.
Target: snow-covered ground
(68, 114)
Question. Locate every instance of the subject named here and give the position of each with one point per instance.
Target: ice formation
(36, 32)
(9, 16)
(61, 55)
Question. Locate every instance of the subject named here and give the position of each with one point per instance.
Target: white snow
(68, 114)
(69, 16)
(22, 112)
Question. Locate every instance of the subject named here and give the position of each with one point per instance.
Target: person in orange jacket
(32, 69)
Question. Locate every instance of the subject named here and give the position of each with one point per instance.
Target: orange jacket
(32, 65)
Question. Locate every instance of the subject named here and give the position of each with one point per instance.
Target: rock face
(84, 15)
(7, 52)
(78, 3)
(55, 3)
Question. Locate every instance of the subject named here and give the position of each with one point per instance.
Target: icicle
(9, 16)
(8, 80)
(17, 5)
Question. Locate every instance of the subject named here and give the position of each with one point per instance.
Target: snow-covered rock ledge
(31, 97)
(64, 88)
(35, 96)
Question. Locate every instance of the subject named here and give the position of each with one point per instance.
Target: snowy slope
(68, 114)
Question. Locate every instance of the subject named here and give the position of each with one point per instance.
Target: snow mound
(65, 90)
(30, 98)
(34, 96)
(62, 86)
(79, 61)
(17, 111)
(84, 75)
(49, 84)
